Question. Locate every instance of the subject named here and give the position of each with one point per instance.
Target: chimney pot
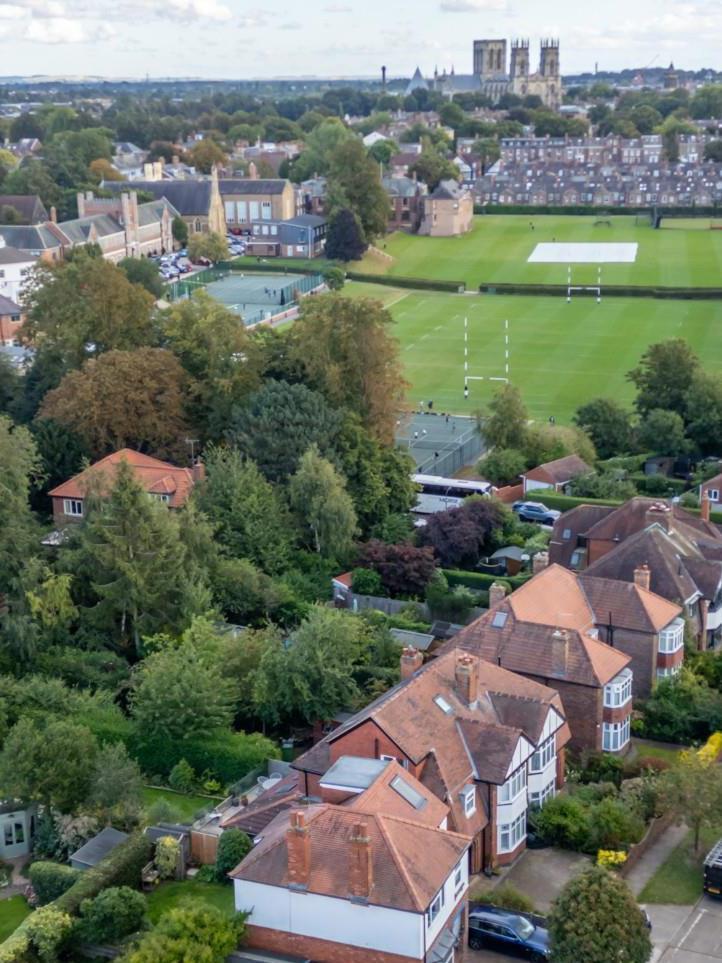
(497, 593)
(299, 850)
(642, 576)
(540, 562)
(198, 471)
(411, 661)
(466, 678)
(361, 868)
(705, 507)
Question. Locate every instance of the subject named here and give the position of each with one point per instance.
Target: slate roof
(254, 818)
(249, 185)
(11, 255)
(8, 306)
(448, 191)
(29, 238)
(98, 847)
(191, 198)
(29, 207)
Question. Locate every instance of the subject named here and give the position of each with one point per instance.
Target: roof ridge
(399, 863)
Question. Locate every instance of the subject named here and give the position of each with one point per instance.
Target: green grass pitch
(497, 248)
(561, 355)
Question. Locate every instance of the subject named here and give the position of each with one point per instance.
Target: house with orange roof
(582, 637)
(486, 742)
(367, 873)
(168, 483)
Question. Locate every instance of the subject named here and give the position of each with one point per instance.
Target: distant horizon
(229, 39)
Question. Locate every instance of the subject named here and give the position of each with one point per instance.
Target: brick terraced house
(487, 742)
(369, 873)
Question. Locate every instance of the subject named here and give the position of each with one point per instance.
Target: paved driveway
(699, 938)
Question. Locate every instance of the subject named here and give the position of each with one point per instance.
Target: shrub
(366, 582)
(505, 896)
(232, 847)
(121, 867)
(48, 929)
(563, 821)
(601, 767)
(611, 858)
(50, 880)
(228, 755)
(642, 764)
(613, 825)
(167, 849)
(159, 812)
(112, 915)
(182, 778)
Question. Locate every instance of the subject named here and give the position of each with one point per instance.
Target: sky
(244, 38)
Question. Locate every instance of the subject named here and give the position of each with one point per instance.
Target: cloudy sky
(244, 38)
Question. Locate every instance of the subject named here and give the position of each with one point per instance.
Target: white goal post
(595, 288)
(468, 377)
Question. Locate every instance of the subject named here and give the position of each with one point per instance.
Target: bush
(122, 867)
(366, 582)
(613, 825)
(601, 767)
(682, 710)
(227, 755)
(454, 604)
(636, 767)
(233, 845)
(563, 821)
(505, 896)
(50, 880)
(113, 914)
(334, 278)
(480, 581)
(167, 849)
(48, 929)
(182, 778)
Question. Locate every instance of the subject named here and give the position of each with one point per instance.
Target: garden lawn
(169, 895)
(183, 807)
(644, 748)
(12, 912)
(679, 879)
(498, 246)
(560, 355)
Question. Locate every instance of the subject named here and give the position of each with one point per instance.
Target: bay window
(515, 784)
(619, 691)
(615, 735)
(671, 639)
(543, 755)
(511, 834)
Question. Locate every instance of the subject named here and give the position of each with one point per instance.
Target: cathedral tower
(519, 59)
(489, 58)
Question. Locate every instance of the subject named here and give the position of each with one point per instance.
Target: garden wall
(655, 830)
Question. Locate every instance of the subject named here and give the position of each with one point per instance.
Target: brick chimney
(54, 215)
(705, 507)
(80, 198)
(198, 471)
(497, 593)
(540, 562)
(299, 850)
(411, 661)
(560, 651)
(466, 678)
(642, 576)
(360, 868)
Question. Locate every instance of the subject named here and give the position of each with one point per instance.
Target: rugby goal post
(468, 377)
(581, 288)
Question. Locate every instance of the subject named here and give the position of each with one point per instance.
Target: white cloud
(471, 6)
(62, 30)
(208, 9)
(11, 11)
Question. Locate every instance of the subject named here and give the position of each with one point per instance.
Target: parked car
(535, 512)
(713, 871)
(506, 932)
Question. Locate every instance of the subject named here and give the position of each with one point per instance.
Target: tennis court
(440, 443)
(258, 296)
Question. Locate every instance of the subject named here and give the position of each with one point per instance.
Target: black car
(498, 929)
(713, 871)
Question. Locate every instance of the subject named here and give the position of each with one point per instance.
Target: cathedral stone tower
(519, 59)
(489, 59)
(549, 60)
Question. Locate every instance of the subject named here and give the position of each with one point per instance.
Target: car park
(506, 932)
(535, 512)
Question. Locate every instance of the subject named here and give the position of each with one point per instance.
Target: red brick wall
(320, 951)
(643, 650)
(596, 548)
(667, 659)
(616, 714)
(369, 742)
(583, 711)
(505, 859)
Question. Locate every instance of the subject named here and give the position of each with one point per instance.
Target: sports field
(498, 248)
(560, 355)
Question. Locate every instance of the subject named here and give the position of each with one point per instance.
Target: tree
(279, 423)
(179, 229)
(206, 154)
(335, 278)
(133, 570)
(48, 929)
(703, 412)
(663, 376)
(116, 785)
(602, 485)
(233, 845)
(713, 151)
(102, 170)
(383, 150)
(323, 507)
(502, 466)
(61, 452)
(52, 764)
(608, 424)
(211, 246)
(662, 432)
(123, 399)
(345, 240)
(405, 569)
(545, 442)
(251, 520)
(321, 143)
(487, 150)
(354, 182)
(505, 424)
(167, 850)
(596, 919)
(692, 791)
(178, 693)
(348, 353)
(143, 272)
(197, 932)
(112, 915)
(86, 306)
(461, 536)
(21, 469)
(431, 168)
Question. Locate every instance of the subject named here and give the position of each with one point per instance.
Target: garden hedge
(275, 266)
(601, 212)
(608, 290)
(480, 580)
(228, 756)
(564, 502)
(51, 880)
(394, 281)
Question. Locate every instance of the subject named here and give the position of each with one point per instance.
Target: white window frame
(435, 906)
(618, 692)
(671, 639)
(266, 210)
(668, 671)
(615, 735)
(161, 497)
(511, 834)
(470, 803)
(543, 755)
(713, 494)
(514, 786)
(537, 799)
(73, 507)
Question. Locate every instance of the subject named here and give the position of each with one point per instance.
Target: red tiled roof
(559, 471)
(157, 477)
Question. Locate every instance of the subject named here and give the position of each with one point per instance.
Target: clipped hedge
(654, 484)
(246, 265)
(51, 880)
(394, 281)
(608, 291)
(228, 756)
(481, 581)
(564, 502)
(573, 211)
(121, 867)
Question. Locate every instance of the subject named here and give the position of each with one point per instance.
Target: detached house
(367, 874)
(485, 741)
(166, 482)
(448, 211)
(555, 475)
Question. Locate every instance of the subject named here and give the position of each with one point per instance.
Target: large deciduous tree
(197, 932)
(461, 536)
(211, 246)
(21, 468)
(663, 376)
(124, 399)
(608, 424)
(323, 507)
(404, 569)
(354, 181)
(662, 432)
(692, 791)
(505, 423)
(596, 919)
(703, 412)
(348, 353)
(345, 240)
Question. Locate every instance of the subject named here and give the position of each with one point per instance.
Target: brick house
(166, 482)
(683, 553)
(24, 208)
(448, 211)
(487, 742)
(555, 475)
(546, 631)
(406, 202)
(368, 874)
(11, 320)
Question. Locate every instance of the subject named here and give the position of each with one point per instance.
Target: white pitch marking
(392, 303)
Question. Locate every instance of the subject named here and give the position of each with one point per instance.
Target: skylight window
(442, 704)
(499, 620)
(407, 792)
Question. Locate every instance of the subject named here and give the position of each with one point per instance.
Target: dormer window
(468, 798)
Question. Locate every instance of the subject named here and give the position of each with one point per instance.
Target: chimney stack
(497, 593)
(411, 661)
(54, 215)
(560, 651)
(80, 197)
(299, 850)
(642, 576)
(540, 562)
(360, 869)
(198, 471)
(466, 677)
(705, 507)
